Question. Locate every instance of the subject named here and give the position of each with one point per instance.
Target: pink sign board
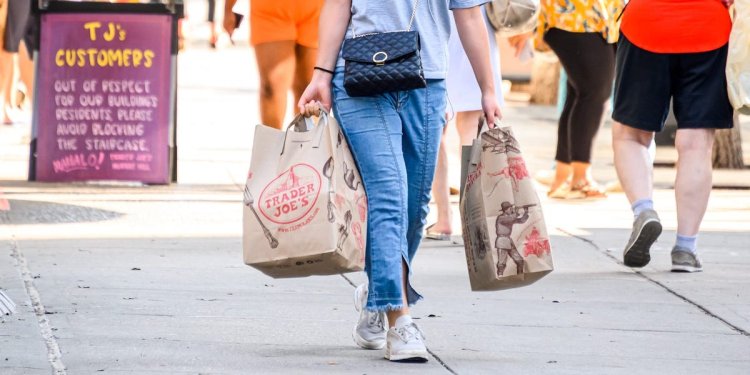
(103, 97)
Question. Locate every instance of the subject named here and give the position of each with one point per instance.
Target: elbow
(467, 15)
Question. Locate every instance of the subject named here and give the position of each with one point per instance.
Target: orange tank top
(676, 26)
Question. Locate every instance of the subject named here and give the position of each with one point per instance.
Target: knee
(694, 140)
(595, 92)
(269, 89)
(622, 132)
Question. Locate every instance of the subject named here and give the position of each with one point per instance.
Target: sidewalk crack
(53, 349)
(685, 299)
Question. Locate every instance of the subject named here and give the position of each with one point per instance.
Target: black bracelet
(323, 70)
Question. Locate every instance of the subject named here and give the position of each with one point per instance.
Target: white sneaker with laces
(369, 333)
(405, 342)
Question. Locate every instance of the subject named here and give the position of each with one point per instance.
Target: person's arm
(475, 40)
(229, 19)
(334, 19)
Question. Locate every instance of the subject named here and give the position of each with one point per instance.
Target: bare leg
(276, 64)
(304, 69)
(466, 124)
(632, 161)
(211, 23)
(441, 191)
(581, 173)
(214, 37)
(693, 182)
(393, 315)
(562, 174)
(26, 69)
(6, 82)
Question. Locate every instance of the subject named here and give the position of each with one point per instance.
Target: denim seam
(425, 126)
(402, 235)
(423, 172)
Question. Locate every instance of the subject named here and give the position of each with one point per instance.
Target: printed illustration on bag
(351, 224)
(474, 176)
(536, 244)
(360, 238)
(361, 201)
(349, 178)
(500, 141)
(480, 238)
(291, 195)
(328, 173)
(344, 229)
(510, 215)
(249, 201)
(515, 171)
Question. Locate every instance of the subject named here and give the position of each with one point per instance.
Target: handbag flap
(381, 47)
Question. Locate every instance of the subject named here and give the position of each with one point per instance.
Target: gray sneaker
(646, 229)
(683, 260)
(369, 333)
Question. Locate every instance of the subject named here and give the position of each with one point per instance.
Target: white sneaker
(406, 342)
(369, 333)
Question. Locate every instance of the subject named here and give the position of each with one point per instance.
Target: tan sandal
(560, 192)
(438, 236)
(587, 190)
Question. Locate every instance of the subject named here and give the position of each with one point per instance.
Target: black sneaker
(646, 229)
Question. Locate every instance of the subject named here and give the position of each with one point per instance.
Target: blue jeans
(394, 138)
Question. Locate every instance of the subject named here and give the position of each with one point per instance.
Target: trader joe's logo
(291, 195)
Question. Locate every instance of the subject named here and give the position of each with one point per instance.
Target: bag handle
(483, 125)
(411, 21)
(309, 125)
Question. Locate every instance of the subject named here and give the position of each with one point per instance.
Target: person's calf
(693, 182)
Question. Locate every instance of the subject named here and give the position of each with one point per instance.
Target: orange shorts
(280, 20)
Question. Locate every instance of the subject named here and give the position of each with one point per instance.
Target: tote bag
(305, 209)
(504, 232)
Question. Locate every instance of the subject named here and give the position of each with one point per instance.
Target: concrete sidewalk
(149, 280)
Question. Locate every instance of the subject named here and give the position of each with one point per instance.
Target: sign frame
(165, 120)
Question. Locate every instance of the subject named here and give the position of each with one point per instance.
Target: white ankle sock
(403, 320)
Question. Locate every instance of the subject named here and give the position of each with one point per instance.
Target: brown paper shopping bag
(305, 210)
(504, 233)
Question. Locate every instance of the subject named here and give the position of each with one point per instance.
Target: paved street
(124, 278)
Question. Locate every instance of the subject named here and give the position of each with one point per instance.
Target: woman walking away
(582, 35)
(394, 136)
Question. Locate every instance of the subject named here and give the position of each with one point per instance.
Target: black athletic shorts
(645, 81)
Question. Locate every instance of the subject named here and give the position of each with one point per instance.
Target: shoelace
(409, 332)
(375, 320)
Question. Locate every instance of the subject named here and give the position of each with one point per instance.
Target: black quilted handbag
(383, 62)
